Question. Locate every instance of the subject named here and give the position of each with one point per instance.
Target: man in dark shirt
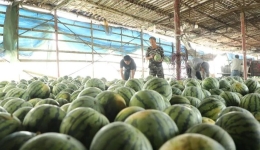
(155, 67)
(129, 64)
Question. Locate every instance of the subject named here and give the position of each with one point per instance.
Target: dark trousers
(198, 75)
(127, 74)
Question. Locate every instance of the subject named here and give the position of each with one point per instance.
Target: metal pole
(142, 48)
(92, 48)
(177, 37)
(243, 32)
(57, 43)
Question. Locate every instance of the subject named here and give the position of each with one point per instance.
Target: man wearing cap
(129, 64)
(199, 68)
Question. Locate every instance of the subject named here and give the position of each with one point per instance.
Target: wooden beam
(177, 38)
(243, 33)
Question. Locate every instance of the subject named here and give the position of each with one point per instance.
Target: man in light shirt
(199, 68)
(236, 66)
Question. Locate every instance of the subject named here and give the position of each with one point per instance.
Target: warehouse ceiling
(214, 23)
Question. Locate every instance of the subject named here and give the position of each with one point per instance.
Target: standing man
(199, 68)
(155, 67)
(236, 66)
(130, 67)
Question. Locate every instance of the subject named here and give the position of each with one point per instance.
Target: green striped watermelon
(148, 99)
(57, 88)
(230, 98)
(243, 128)
(232, 109)
(194, 101)
(112, 103)
(74, 95)
(215, 91)
(120, 136)
(2, 109)
(50, 119)
(63, 95)
(210, 83)
(34, 101)
(55, 141)
(211, 108)
(224, 83)
(194, 83)
(252, 85)
(18, 92)
(65, 107)
(14, 104)
(15, 140)
(3, 83)
(72, 86)
(194, 92)
(86, 101)
(256, 115)
(206, 93)
(47, 101)
(135, 84)
(90, 91)
(83, 123)
(179, 86)
(123, 114)
(21, 112)
(176, 91)
(160, 85)
(184, 116)
(240, 88)
(214, 132)
(215, 97)
(61, 101)
(38, 89)
(251, 102)
(238, 79)
(157, 126)
(8, 124)
(120, 82)
(178, 99)
(113, 87)
(94, 82)
(191, 141)
(126, 93)
(22, 86)
(207, 120)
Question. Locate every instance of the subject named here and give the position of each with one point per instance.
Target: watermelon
(65, 107)
(61, 101)
(231, 99)
(243, 128)
(47, 101)
(121, 82)
(179, 86)
(112, 103)
(123, 114)
(207, 120)
(216, 133)
(215, 97)
(224, 83)
(178, 99)
(256, 115)
(194, 101)
(194, 92)
(90, 91)
(238, 79)
(147, 99)
(210, 83)
(94, 82)
(232, 109)
(72, 86)
(21, 112)
(34, 101)
(19, 93)
(14, 104)
(135, 84)
(120, 136)
(251, 102)
(160, 85)
(113, 87)
(191, 141)
(3, 83)
(194, 83)
(8, 124)
(50, 119)
(15, 140)
(240, 88)
(157, 126)
(55, 141)
(184, 116)
(86, 101)
(176, 91)
(215, 91)
(252, 85)
(38, 89)
(206, 93)
(83, 123)
(74, 95)
(126, 93)
(157, 57)
(211, 108)
(63, 95)
(57, 88)
(22, 86)
(2, 109)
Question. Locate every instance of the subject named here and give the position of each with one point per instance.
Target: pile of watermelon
(86, 113)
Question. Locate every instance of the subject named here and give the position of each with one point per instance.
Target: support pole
(142, 48)
(57, 43)
(243, 33)
(92, 48)
(177, 37)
